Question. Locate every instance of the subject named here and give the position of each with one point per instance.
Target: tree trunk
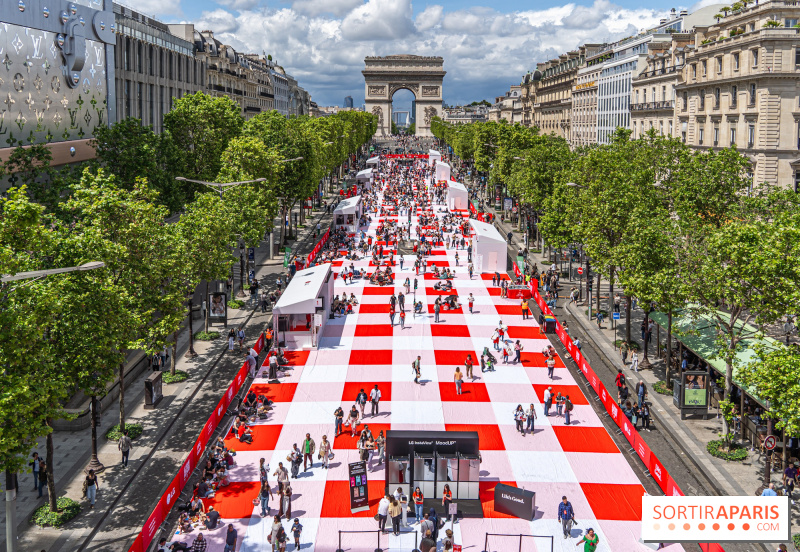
(597, 292)
(51, 482)
(174, 352)
(669, 348)
(628, 321)
(611, 289)
(121, 397)
(206, 300)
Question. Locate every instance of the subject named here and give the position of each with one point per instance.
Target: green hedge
(235, 304)
(206, 336)
(67, 509)
(796, 540)
(661, 388)
(178, 377)
(632, 345)
(134, 431)
(736, 452)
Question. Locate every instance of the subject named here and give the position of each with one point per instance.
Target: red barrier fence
(406, 155)
(317, 248)
(167, 501)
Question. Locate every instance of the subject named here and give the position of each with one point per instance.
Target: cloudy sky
(487, 45)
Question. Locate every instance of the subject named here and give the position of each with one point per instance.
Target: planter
(736, 453)
(661, 388)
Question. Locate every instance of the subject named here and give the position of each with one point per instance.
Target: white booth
(303, 308)
(365, 178)
(347, 213)
(375, 161)
(489, 248)
(442, 172)
(457, 196)
(434, 157)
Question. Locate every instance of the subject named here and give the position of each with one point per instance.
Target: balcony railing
(656, 72)
(652, 106)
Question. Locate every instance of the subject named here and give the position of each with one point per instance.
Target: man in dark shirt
(212, 518)
(427, 544)
(230, 539)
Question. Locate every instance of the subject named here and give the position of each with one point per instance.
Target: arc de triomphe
(422, 75)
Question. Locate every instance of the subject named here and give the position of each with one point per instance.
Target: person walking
(401, 301)
(551, 366)
(470, 269)
(548, 400)
(240, 337)
(418, 499)
(519, 419)
(496, 340)
(506, 353)
(470, 302)
(383, 512)
(124, 446)
(34, 464)
(436, 309)
(297, 531)
(338, 416)
(296, 458)
(416, 367)
(457, 377)
(263, 496)
(231, 340)
(567, 409)
(589, 541)
(518, 352)
(324, 453)
(641, 393)
(396, 513)
(283, 477)
(526, 309)
(634, 360)
(468, 364)
(402, 320)
(566, 515)
(644, 411)
(620, 382)
(90, 487)
(308, 452)
(361, 401)
(401, 262)
(391, 314)
(530, 418)
(230, 538)
(374, 399)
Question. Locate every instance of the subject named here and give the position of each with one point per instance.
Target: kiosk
(302, 310)
(457, 196)
(374, 161)
(432, 459)
(490, 245)
(442, 172)
(347, 214)
(434, 157)
(365, 178)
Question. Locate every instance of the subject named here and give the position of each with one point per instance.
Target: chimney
(684, 13)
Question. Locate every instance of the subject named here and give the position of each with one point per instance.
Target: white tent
(433, 157)
(347, 213)
(490, 247)
(442, 171)
(457, 196)
(365, 178)
(374, 161)
(302, 311)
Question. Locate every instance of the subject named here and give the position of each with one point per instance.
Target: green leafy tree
(201, 127)
(773, 377)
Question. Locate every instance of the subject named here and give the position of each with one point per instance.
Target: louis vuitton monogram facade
(421, 75)
(55, 83)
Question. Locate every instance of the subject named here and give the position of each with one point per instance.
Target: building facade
(153, 67)
(552, 100)
(584, 97)
(348, 101)
(460, 115)
(741, 86)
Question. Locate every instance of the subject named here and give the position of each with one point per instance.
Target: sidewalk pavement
(127, 495)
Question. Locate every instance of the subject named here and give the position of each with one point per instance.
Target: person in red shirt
(418, 498)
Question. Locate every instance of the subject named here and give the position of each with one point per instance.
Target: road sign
(452, 509)
(770, 442)
(615, 315)
(286, 256)
(251, 253)
(580, 270)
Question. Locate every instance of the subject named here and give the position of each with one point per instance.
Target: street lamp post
(11, 478)
(241, 270)
(191, 353)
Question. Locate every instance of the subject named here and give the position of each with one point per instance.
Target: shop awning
(699, 335)
(301, 294)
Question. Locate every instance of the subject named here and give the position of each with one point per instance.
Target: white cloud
(429, 18)
(484, 50)
(158, 7)
(379, 20)
(320, 7)
(239, 5)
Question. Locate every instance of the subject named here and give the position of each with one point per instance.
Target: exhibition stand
(490, 246)
(434, 157)
(442, 171)
(347, 214)
(365, 178)
(457, 196)
(302, 310)
(373, 161)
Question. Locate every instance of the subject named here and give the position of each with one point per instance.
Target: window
(736, 61)
(127, 54)
(644, 95)
(663, 93)
(705, 67)
(150, 62)
(716, 134)
(789, 23)
(700, 135)
(752, 94)
(140, 101)
(139, 56)
(127, 98)
(669, 126)
(733, 134)
(694, 70)
(796, 181)
(751, 135)
(719, 64)
(702, 99)
(685, 101)
(717, 92)
(151, 102)
(754, 54)
(797, 56)
(734, 95)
